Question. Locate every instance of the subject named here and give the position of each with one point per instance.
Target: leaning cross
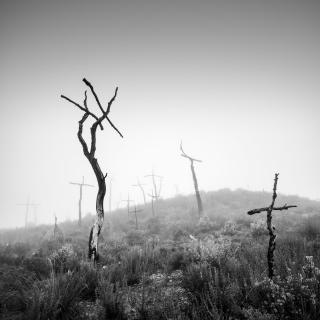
(270, 227)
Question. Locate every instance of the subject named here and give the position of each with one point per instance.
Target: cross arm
(259, 210)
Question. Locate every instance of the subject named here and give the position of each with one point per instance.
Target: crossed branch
(98, 120)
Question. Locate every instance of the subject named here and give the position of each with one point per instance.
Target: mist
(236, 81)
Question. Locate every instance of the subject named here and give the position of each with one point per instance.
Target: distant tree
(194, 177)
(90, 155)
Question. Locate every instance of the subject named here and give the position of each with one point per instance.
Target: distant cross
(128, 204)
(135, 211)
(81, 185)
(153, 197)
(140, 186)
(27, 205)
(270, 227)
(156, 191)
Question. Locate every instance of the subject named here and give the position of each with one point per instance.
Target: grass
(159, 272)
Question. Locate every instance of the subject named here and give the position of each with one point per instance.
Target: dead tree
(90, 155)
(81, 185)
(270, 227)
(194, 177)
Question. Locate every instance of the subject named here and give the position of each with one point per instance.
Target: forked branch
(183, 154)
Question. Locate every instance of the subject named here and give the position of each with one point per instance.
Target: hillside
(178, 212)
(168, 266)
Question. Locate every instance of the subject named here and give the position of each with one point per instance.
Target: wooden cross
(81, 185)
(156, 193)
(153, 197)
(128, 204)
(135, 211)
(270, 227)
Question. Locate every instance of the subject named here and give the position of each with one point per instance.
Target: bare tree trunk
(195, 182)
(97, 226)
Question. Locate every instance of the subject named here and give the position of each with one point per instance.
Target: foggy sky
(237, 81)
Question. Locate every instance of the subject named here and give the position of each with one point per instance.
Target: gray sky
(237, 81)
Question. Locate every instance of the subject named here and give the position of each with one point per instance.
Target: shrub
(90, 277)
(55, 298)
(14, 285)
(40, 266)
(64, 259)
(110, 297)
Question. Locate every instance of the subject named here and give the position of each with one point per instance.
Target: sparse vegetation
(170, 268)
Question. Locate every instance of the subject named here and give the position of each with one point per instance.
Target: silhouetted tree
(90, 155)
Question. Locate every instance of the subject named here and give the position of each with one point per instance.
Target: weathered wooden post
(270, 227)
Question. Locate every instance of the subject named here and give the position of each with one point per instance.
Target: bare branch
(285, 207)
(86, 110)
(94, 94)
(183, 154)
(82, 141)
(85, 100)
(114, 127)
(111, 100)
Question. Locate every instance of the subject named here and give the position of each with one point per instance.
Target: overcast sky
(237, 81)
